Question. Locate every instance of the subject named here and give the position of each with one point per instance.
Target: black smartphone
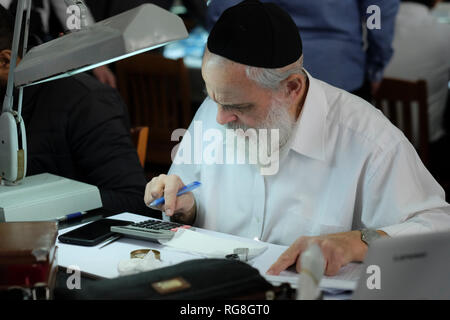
(92, 233)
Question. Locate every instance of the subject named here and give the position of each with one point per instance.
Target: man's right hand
(181, 209)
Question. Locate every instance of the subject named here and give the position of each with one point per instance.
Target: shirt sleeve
(402, 197)
(379, 40)
(103, 153)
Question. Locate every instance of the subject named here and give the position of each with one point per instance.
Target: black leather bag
(200, 279)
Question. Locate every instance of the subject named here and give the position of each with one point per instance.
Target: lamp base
(46, 197)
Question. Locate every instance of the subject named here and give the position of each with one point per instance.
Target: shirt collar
(309, 135)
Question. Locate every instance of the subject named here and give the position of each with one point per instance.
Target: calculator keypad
(159, 225)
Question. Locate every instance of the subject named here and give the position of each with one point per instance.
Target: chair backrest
(157, 93)
(139, 135)
(395, 93)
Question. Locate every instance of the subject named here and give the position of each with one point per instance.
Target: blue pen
(185, 189)
(71, 216)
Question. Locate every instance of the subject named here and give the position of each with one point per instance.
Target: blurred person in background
(422, 51)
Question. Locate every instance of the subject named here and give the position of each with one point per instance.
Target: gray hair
(272, 78)
(267, 78)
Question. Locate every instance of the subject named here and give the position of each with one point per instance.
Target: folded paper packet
(136, 265)
(210, 246)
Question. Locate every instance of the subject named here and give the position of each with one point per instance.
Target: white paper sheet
(211, 246)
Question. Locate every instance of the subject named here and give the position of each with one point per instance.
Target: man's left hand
(338, 249)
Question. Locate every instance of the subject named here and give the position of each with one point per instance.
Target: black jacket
(78, 128)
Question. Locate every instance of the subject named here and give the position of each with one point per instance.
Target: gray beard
(278, 118)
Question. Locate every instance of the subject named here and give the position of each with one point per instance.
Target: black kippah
(256, 34)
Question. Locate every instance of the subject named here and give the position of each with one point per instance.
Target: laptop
(407, 267)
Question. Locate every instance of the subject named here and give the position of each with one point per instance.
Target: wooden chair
(139, 135)
(157, 93)
(393, 91)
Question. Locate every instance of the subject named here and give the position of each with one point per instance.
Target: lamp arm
(8, 101)
(24, 51)
(13, 149)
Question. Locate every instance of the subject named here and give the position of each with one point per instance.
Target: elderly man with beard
(346, 175)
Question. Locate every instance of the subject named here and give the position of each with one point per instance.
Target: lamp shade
(135, 31)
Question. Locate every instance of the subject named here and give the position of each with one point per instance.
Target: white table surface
(103, 262)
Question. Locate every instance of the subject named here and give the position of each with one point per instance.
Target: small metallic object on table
(238, 254)
(242, 253)
(232, 256)
(141, 253)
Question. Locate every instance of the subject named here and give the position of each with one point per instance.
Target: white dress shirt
(422, 51)
(346, 167)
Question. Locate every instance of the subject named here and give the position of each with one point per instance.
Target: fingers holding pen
(178, 205)
(154, 189)
(166, 186)
(171, 187)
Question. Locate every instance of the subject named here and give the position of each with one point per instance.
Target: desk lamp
(46, 196)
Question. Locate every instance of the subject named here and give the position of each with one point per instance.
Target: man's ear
(294, 85)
